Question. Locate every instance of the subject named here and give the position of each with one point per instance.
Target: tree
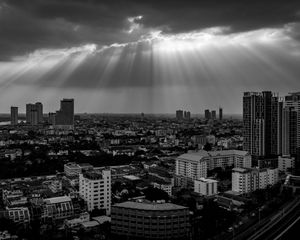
(154, 194)
(207, 147)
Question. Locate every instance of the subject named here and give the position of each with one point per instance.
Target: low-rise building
(206, 186)
(58, 208)
(286, 163)
(19, 215)
(148, 220)
(74, 169)
(245, 180)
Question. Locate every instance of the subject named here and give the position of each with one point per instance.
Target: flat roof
(208, 180)
(150, 206)
(131, 177)
(194, 156)
(57, 199)
(90, 224)
(241, 170)
(102, 219)
(228, 152)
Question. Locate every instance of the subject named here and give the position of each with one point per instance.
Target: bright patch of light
(42, 54)
(133, 25)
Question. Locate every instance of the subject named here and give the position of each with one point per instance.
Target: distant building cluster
(212, 115)
(183, 115)
(63, 118)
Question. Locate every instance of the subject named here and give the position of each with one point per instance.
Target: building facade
(286, 163)
(192, 165)
(74, 169)
(64, 118)
(95, 189)
(34, 113)
(14, 115)
(220, 114)
(246, 180)
(57, 208)
(148, 220)
(206, 186)
(261, 125)
(179, 114)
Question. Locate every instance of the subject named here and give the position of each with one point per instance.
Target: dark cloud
(28, 25)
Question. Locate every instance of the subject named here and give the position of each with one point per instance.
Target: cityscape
(142, 176)
(143, 120)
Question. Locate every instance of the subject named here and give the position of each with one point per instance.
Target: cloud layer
(152, 56)
(28, 25)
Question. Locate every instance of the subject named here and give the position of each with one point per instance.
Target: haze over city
(146, 56)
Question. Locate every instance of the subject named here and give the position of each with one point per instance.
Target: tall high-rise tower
(261, 124)
(65, 116)
(220, 114)
(39, 109)
(207, 114)
(213, 114)
(14, 115)
(29, 108)
(34, 113)
(179, 114)
(291, 127)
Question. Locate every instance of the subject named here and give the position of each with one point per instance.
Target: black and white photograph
(149, 119)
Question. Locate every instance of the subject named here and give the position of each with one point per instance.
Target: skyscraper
(14, 115)
(188, 115)
(261, 125)
(213, 115)
(291, 129)
(179, 114)
(65, 116)
(39, 109)
(29, 108)
(220, 114)
(207, 114)
(34, 113)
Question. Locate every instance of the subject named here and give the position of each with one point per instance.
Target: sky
(130, 56)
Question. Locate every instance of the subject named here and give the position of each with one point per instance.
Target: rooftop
(208, 180)
(131, 177)
(228, 152)
(241, 170)
(150, 206)
(57, 200)
(194, 156)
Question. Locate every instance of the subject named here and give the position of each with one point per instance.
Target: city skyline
(132, 56)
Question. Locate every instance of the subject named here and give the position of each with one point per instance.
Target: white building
(95, 189)
(224, 158)
(187, 163)
(285, 163)
(205, 186)
(19, 214)
(74, 169)
(192, 165)
(241, 180)
(273, 176)
(56, 186)
(245, 180)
